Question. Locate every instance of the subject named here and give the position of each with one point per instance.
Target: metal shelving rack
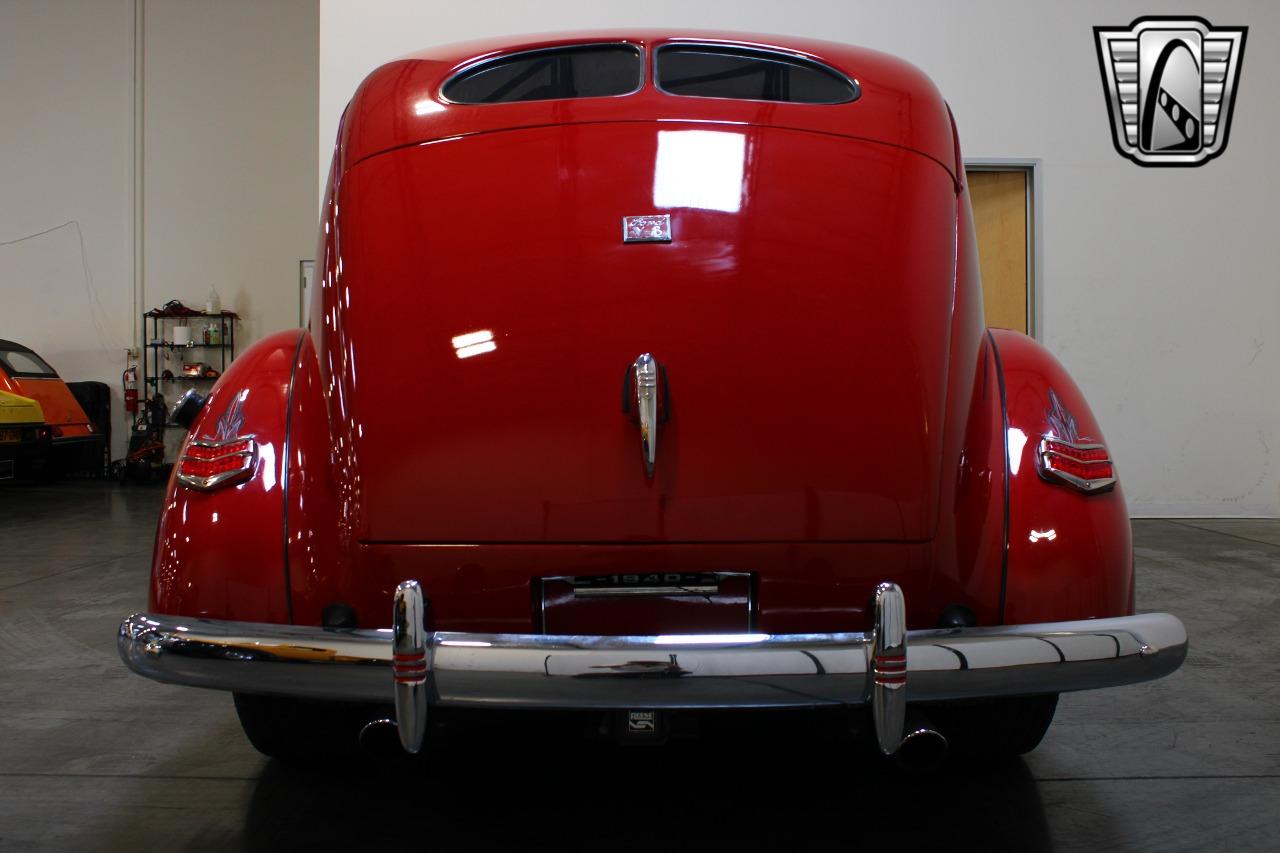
(157, 329)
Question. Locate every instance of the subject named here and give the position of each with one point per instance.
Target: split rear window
(689, 70)
(586, 71)
(712, 71)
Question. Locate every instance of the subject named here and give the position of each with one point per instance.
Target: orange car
(27, 374)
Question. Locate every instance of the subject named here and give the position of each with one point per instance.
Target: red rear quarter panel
(220, 554)
(1070, 554)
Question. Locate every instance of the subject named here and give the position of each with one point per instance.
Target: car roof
(400, 103)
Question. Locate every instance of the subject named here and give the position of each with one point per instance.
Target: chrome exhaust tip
(923, 747)
(381, 738)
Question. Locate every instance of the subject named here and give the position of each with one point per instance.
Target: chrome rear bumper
(414, 669)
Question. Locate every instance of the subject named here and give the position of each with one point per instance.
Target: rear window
(23, 363)
(711, 71)
(583, 71)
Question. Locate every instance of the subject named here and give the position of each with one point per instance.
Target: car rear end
(643, 376)
(24, 436)
(72, 437)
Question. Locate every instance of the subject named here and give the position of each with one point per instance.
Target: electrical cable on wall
(96, 311)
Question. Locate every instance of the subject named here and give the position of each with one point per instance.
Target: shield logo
(1170, 84)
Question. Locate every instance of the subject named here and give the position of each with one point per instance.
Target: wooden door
(1000, 216)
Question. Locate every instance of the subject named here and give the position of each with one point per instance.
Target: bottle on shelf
(213, 305)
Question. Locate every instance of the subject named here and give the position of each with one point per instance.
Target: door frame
(1032, 167)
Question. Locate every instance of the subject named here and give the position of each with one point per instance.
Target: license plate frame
(658, 602)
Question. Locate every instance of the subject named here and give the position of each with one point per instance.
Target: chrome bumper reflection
(676, 671)
(663, 671)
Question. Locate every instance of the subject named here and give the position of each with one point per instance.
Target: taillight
(1087, 467)
(208, 465)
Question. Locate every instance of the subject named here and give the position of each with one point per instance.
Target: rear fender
(1069, 554)
(221, 554)
(322, 481)
(969, 544)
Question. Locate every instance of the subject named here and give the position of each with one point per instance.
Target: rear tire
(996, 728)
(302, 731)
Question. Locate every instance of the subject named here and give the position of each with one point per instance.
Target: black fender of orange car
(1069, 553)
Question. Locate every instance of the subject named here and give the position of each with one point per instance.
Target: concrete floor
(92, 757)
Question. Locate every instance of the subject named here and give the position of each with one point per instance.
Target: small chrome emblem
(650, 228)
(642, 722)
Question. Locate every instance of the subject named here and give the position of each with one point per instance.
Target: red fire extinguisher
(130, 378)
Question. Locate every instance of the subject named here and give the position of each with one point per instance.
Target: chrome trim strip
(624, 591)
(219, 457)
(1054, 453)
(663, 671)
(216, 443)
(1075, 445)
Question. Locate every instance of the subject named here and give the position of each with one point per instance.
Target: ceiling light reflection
(474, 343)
(707, 639)
(699, 168)
(477, 349)
(1017, 440)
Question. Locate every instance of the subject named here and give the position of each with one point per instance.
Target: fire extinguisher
(130, 378)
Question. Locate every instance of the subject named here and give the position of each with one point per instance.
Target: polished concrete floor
(92, 757)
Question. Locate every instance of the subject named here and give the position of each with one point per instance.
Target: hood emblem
(646, 399)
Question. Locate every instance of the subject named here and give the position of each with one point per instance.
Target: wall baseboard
(1203, 510)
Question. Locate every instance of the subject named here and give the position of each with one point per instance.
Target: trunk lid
(492, 312)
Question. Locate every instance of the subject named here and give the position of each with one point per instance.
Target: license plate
(648, 583)
(10, 436)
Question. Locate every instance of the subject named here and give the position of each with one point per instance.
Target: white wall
(229, 121)
(1161, 287)
(66, 155)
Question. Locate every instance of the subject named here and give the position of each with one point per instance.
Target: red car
(647, 374)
